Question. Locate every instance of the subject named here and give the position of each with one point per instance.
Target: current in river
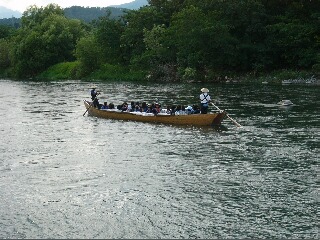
(65, 175)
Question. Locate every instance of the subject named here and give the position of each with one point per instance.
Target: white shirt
(205, 97)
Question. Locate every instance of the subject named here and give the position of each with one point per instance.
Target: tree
(45, 38)
(108, 35)
(89, 53)
(155, 42)
(201, 40)
(34, 15)
(292, 44)
(136, 21)
(4, 53)
(160, 56)
(6, 31)
(246, 21)
(186, 31)
(167, 8)
(293, 35)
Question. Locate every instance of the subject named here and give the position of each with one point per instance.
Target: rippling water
(68, 176)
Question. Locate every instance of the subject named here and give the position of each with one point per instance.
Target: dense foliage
(12, 22)
(171, 40)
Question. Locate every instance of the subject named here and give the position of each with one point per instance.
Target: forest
(167, 40)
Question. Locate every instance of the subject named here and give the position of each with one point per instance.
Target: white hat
(93, 86)
(205, 90)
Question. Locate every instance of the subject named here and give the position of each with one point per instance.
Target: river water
(65, 175)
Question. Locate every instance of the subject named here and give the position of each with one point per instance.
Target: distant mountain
(8, 13)
(132, 5)
(88, 14)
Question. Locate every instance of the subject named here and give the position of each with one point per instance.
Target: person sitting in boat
(183, 110)
(205, 100)
(94, 97)
(105, 106)
(189, 110)
(166, 110)
(157, 107)
(144, 107)
(177, 110)
(173, 109)
(111, 106)
(180, 110)
(152, 109)
(131, 107)
(149, 109)
(196, 109)
(137, 107)
(124, 107)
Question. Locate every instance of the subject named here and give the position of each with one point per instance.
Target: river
(65, 175)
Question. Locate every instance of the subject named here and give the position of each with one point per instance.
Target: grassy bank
(108, 72)
(61, 71)
(72, 70)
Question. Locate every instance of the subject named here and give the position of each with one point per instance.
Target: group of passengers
(155, 107)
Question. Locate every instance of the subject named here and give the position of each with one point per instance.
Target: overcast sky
(22, 5)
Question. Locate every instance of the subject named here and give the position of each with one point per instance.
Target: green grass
(61, 71)
(108, 72)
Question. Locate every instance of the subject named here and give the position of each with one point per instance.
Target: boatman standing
(94, 95)
(205, 100)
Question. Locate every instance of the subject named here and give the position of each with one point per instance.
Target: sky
(22, 5)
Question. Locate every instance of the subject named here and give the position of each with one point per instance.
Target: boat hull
(210, 119)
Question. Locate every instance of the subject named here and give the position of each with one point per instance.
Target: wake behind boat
(210, 119)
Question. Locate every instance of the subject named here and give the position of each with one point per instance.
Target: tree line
(87, 14)
(169, 40)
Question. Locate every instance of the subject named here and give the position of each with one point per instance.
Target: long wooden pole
(234, 121)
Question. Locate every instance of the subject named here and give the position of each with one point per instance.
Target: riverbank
(108, 72)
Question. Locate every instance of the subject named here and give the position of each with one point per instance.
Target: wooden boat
(210, 119)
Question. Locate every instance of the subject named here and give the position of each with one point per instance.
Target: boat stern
(219, 118)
